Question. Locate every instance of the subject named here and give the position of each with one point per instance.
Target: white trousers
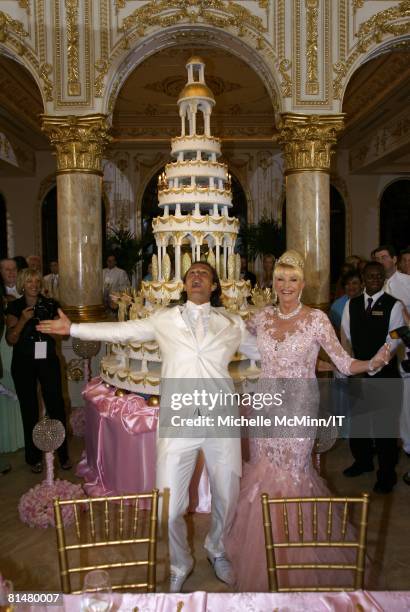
(176, 460)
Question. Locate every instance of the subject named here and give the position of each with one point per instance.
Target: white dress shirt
(12, 291)
(398, 285)
(396, 318)
(192, 311)
(115, 279)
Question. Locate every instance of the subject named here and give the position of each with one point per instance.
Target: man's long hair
(216, 294)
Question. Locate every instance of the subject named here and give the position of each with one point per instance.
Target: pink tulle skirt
(245, 544)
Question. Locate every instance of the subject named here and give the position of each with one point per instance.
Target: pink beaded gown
(282, 466)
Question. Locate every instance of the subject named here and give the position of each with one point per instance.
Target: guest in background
(35, 360)
(268, 263)
(366, 323)
(339, 289)
(34, 262)
(245, 273)
(404, 261)
(11, 426)
(8, 272)
(50, 282)
(21, 262)
(4, 466)
(397, 284)
(114, 278)
(352, 285)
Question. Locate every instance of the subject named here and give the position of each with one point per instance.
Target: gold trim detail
(374, 30)
(193, 11)
(73, 84)
(308, 140)
(79, 141)
(286, 85)
(312, 83)
(357, 4)
(84, 314)
(10, 25)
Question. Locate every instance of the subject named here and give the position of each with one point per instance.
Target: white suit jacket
(182, 356)
(398, 285)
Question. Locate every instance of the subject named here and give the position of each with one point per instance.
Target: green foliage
(265, 237)
(127, 248)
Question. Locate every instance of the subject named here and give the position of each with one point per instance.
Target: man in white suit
(197, 341)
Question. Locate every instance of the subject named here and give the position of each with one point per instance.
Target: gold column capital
(308, 140)
(79, 141)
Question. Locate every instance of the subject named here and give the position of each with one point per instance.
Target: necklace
(289, 315)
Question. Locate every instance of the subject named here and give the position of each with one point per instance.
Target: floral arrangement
(36, 506)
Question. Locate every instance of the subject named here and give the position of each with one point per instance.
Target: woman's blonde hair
(24, 275)
(290, 261)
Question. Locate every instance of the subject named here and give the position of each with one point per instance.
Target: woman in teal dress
(11, 426)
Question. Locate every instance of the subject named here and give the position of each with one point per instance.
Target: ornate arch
(191, 35)
(39, 73)
(382, 31)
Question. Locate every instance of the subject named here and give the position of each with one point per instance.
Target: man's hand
(60, 326)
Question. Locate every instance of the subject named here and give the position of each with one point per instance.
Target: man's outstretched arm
(141, 329)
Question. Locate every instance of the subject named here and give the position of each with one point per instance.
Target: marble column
(79, 145)
(307, 142)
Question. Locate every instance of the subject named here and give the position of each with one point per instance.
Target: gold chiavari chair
(111, 529)
(297, 541)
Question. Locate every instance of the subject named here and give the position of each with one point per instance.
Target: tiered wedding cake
(195, 196)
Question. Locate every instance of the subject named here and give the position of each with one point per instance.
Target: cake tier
(194, 167)
(207, 144)
(161, 291)
(208, 196)
(175, 223)
(140, 376)
(187, 224)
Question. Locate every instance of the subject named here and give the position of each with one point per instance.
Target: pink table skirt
(120, 443)
(199, 601)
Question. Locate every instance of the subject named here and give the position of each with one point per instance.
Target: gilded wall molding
(218, 13)
(372, 31)
(312, 80)
(60, 99)
(79, 141)
(286, 84)
(73, 83)
(102, 64)
(307, 140)
(8, 26)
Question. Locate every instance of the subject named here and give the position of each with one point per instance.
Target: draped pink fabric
(199, 601)
(120, 442)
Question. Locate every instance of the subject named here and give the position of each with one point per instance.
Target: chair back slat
(300, 521)
(324, 539)
(118, 545)
(329, 521)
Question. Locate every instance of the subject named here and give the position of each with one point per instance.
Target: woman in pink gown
(289, 338)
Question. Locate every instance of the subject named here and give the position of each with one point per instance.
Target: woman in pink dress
(289, 337)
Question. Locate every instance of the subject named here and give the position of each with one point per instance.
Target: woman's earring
(299, 296)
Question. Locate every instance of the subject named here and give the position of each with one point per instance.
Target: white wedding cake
(194, 196)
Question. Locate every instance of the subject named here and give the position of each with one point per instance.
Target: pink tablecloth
(120, 436)
(375, 601)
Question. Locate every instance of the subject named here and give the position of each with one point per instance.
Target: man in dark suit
(366, 323)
